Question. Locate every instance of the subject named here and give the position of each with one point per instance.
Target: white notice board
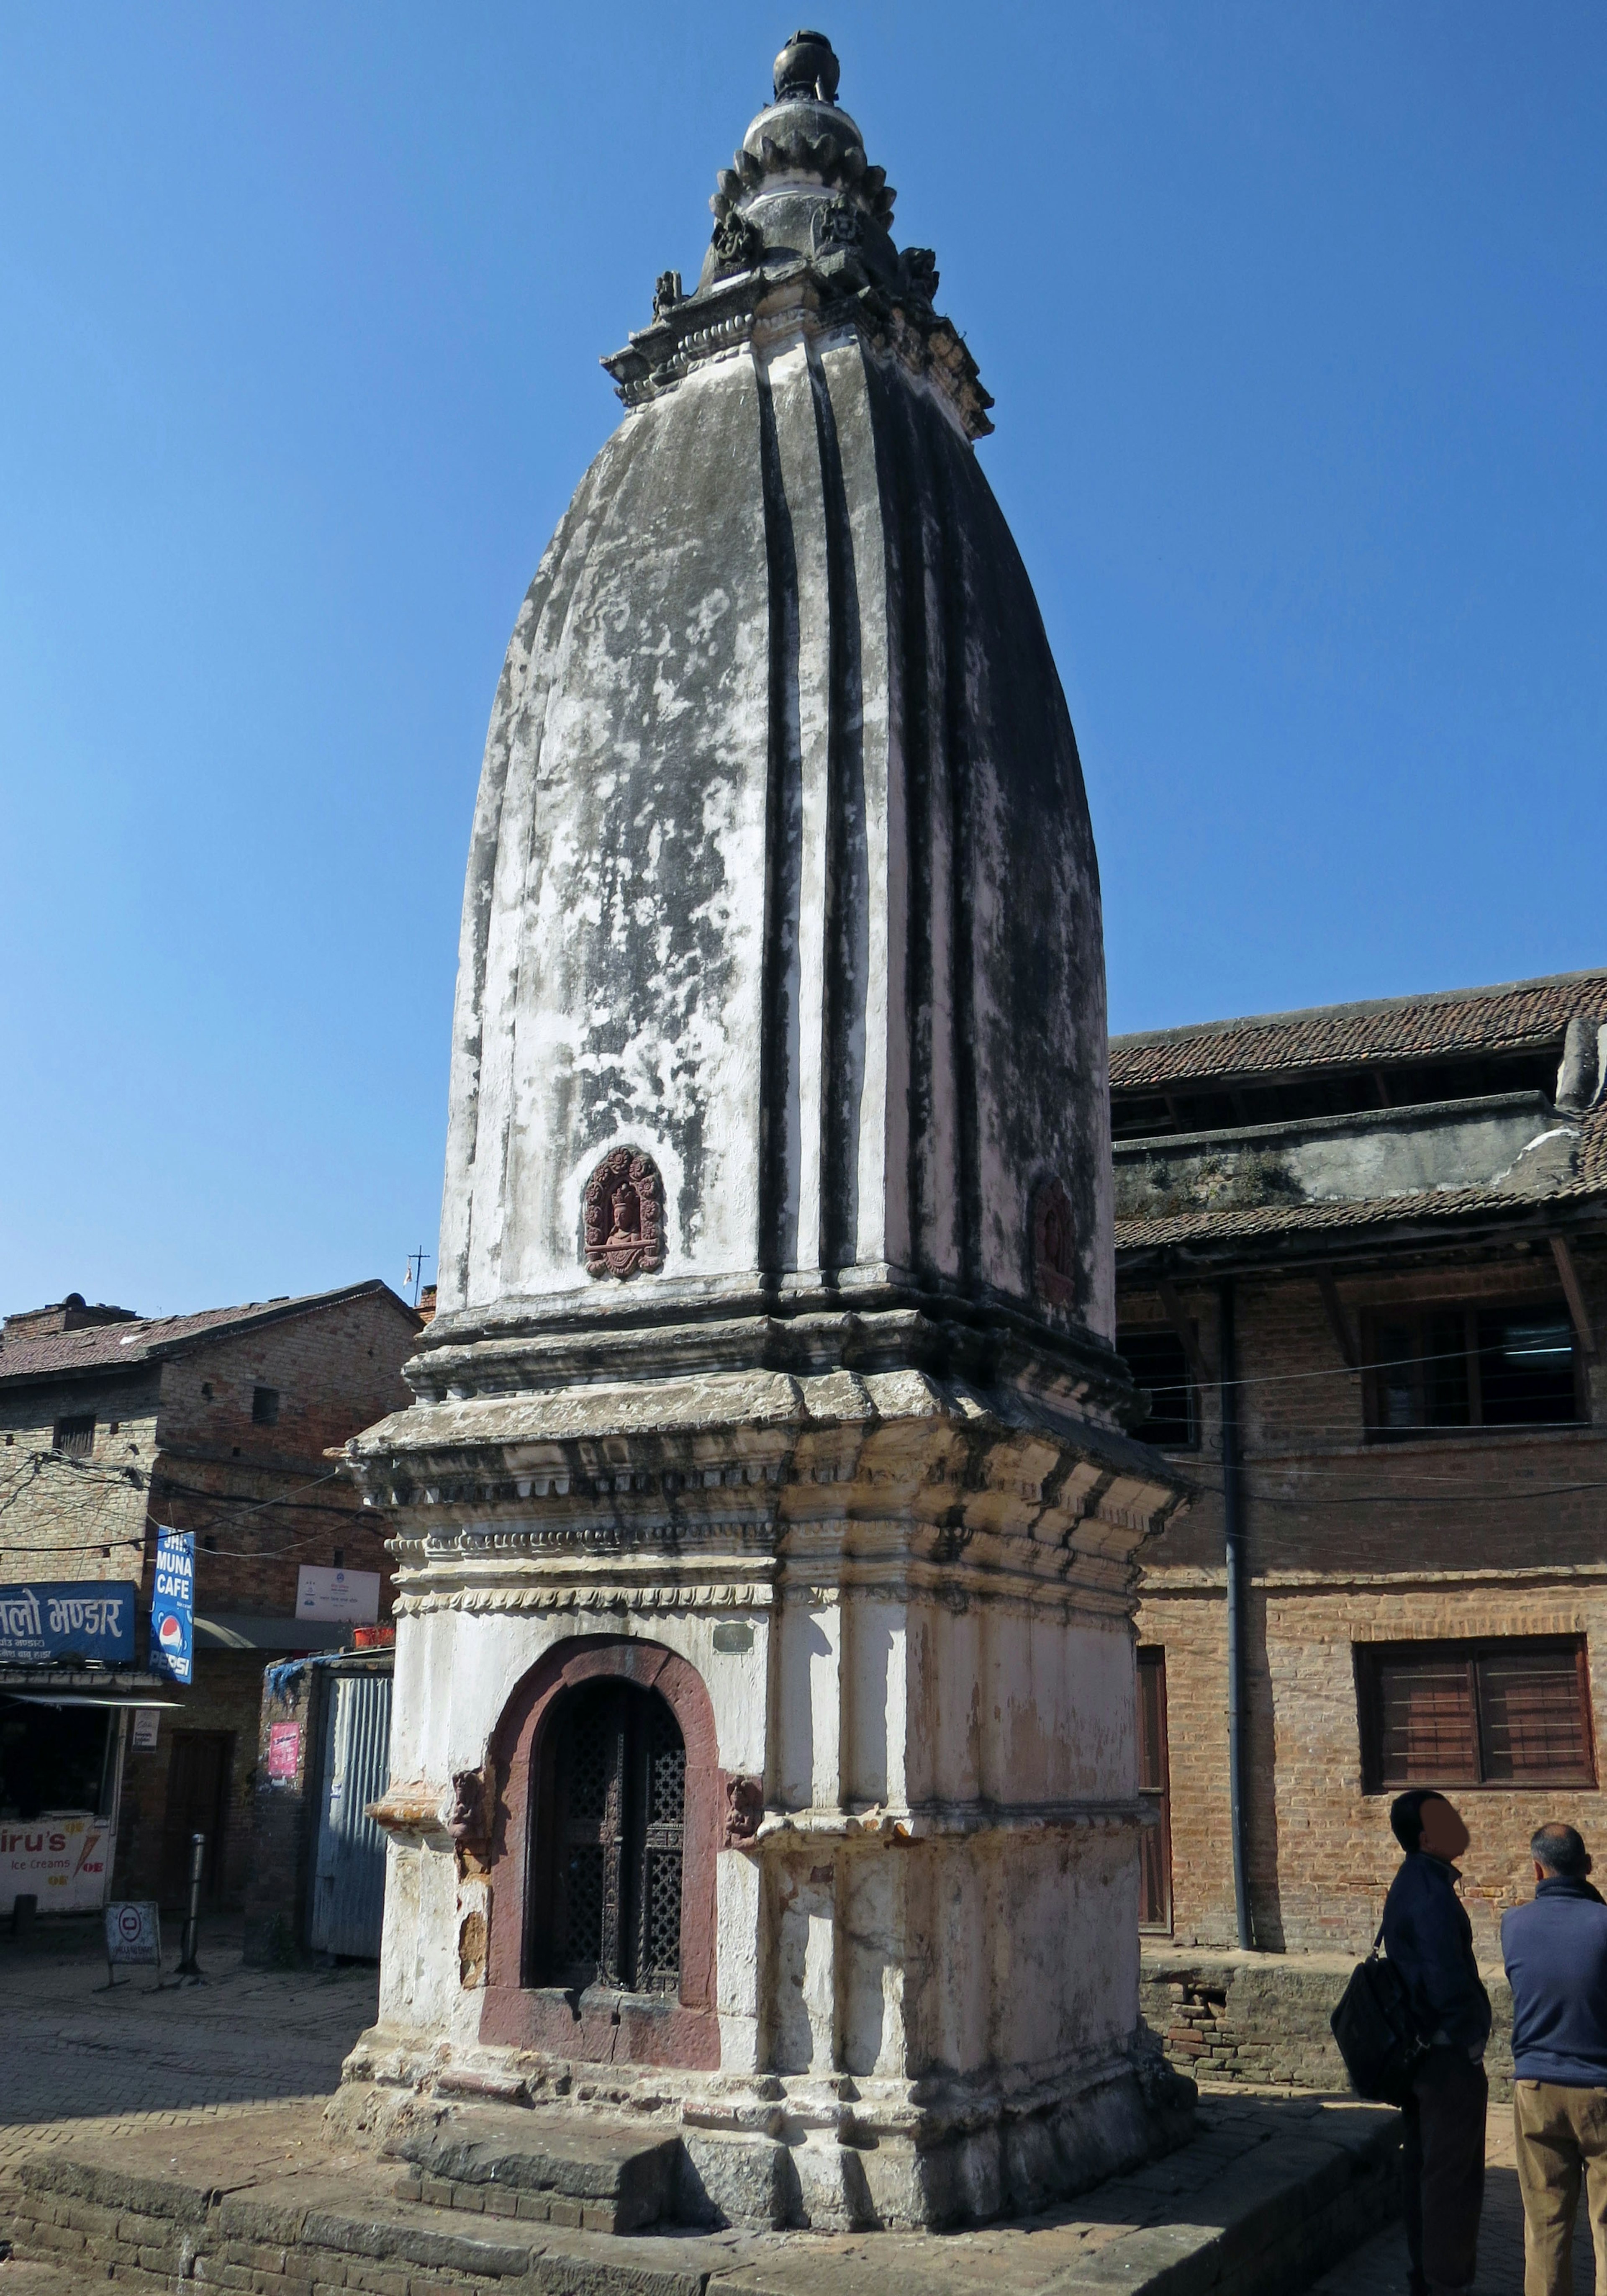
(351, 1596)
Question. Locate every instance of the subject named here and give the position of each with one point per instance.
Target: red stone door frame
(680, 2032)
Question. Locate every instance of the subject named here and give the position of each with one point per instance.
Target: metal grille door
(349, 1871)
(620, 1778)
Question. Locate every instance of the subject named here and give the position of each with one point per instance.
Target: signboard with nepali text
(173, 1605)
(73, 1617)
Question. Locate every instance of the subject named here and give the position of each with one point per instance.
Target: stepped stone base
(1271, 2193)
(762, 2153)
(598, 2175)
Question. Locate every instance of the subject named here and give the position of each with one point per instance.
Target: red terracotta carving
(468, 1820)
(1054, 1245)
(744, 1806)
(625, 1216)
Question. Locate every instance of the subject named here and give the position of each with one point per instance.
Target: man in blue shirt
(1429, 1940)
(1555, 1950)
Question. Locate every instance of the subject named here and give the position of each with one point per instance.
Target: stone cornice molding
(803, 300)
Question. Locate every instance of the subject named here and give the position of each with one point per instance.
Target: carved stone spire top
(807, 66)
(801, 212)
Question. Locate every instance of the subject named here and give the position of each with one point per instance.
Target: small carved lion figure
(737, 243)
(837, 224)
(467, 1821)
(744, 1808)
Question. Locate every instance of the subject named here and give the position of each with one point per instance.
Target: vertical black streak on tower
(955, 576)
(908, 656)
(779, 1083)
(846, 934)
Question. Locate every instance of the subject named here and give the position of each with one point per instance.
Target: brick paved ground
(1380, 2267)
(248, 2037)
(83, 2063)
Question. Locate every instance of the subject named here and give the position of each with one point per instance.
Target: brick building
(217, 1423)
(1362, 1268)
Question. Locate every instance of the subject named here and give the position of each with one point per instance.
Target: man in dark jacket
(1555, 1950)
(1429, 1940)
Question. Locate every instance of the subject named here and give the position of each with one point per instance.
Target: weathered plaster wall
(1516, 1139)
(780, 809)
(858, 1949)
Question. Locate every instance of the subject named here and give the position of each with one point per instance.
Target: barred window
(1433, 1369)
(610, 1839)
(1153, 1354)
(75, 1437)
(1475, 1714)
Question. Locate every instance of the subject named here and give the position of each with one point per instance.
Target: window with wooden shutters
(1473, 1714)
(607, 1906)
(1154, 1789)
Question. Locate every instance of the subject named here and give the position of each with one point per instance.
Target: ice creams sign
(173, 1605)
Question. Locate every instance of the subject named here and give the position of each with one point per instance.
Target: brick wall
(76, 1518)
(226, 1696)
(1348, 1541)
(1244, 2017)
(334, 1371)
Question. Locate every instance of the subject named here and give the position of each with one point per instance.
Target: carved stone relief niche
(1054, 1246)
(625, 1216)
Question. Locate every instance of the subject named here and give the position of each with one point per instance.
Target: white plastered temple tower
(765, 1705)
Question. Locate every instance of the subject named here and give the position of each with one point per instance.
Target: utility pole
(415, 1271)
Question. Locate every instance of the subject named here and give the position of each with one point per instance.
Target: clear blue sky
(1295, 318)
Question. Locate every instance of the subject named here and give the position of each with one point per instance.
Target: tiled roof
(1507, 1019)
(111, 1347)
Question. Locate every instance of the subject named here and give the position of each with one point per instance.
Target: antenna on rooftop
(415, 1271)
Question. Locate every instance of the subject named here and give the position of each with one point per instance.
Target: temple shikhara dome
(781, 868)
(765, 1521)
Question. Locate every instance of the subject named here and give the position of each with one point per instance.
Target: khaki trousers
(1561, 2142)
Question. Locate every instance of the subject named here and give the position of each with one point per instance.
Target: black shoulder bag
(1376, 2033)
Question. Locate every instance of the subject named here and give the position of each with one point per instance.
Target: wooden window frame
(1154, 1655)
(1414, 1313)
(599, 2025)
(1372, 1658)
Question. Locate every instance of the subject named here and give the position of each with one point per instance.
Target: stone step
(1272, 2192)
(539, 2167)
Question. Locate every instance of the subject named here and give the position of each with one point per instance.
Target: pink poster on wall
(284, 1750)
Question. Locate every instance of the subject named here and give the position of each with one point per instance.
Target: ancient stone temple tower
(765, 1679)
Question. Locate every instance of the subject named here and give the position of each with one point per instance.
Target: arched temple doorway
(604, 1897)
(606, 1835)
